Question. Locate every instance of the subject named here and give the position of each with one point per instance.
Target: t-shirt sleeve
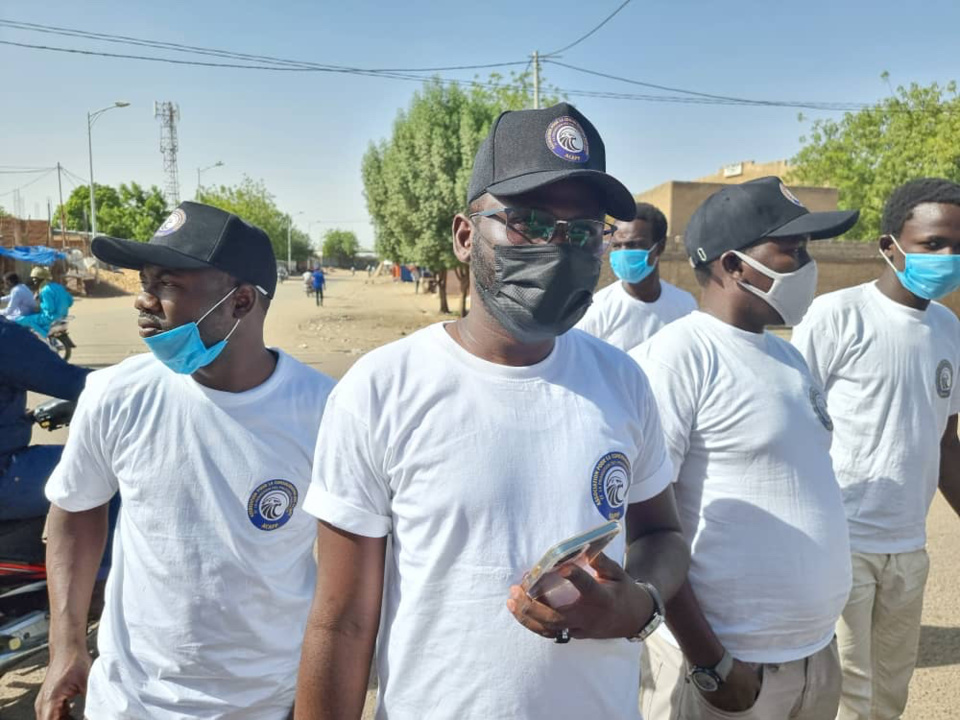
(84, 478)
(652, 468)
(348, 488)
(815, 338)
(675, 402)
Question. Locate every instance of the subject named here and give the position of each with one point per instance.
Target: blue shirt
(319, 281)
(28, 364)
(19, 302)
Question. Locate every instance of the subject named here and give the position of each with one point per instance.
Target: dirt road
(359, 316)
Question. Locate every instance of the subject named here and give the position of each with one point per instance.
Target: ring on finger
(562, 637)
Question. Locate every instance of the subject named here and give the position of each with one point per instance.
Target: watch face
(705, 681)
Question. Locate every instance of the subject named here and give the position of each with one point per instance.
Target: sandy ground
(358, 316)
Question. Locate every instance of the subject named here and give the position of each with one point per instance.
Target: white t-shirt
(625, 322)
(889, 373)
(213, 570)
(475, 469)
(747, 428)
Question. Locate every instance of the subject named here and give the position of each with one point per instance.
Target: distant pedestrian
(416, 275)
(19, 299)
(319, 282)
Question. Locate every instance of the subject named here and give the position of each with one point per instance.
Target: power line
(195, 49)
(726, 98)
(24, 172)
(25, 185)
(580, 39)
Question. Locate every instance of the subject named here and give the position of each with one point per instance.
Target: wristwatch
(659, 613)
(709, 679)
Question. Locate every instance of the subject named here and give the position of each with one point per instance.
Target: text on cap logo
(566, 140)
(173, 223)
(790, 196)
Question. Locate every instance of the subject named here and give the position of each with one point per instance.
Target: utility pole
(536, 79)
(63, 217)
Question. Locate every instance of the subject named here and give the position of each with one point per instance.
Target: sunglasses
(526, 226)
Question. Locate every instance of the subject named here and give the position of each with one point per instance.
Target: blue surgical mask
(182, 350)
(631, 266)
(927, 275)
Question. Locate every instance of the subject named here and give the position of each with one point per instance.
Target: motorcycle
(24, 607)
(59, 337)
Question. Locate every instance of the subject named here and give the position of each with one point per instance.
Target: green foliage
(131, 211)
(913, 133)
(416, 181)
(252, 201)
(340, 248)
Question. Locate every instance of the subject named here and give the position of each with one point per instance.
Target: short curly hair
(653, 215)
(904, 199)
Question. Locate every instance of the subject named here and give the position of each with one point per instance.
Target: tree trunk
(442, 290)
(463, 275)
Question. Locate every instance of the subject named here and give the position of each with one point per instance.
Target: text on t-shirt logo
(819, 403)
(271, 504)
(610, 483)
(944, 378)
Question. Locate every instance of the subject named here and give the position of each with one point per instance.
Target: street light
(218, 163)
(289, 241)
(91, 119)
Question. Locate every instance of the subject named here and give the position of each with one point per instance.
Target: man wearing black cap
(749, 434)
(476, 445)
(208, 440)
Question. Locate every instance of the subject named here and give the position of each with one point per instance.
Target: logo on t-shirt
(271, 504)
(819, 403)
(944, 378)
(610, 484)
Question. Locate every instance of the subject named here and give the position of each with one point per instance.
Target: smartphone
(544, 583)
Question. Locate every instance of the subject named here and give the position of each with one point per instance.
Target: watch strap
(659, 613)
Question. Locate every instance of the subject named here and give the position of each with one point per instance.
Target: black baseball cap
(197, 236)
(741, 215)
(530, 149)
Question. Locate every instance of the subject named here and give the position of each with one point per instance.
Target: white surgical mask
(790, 294)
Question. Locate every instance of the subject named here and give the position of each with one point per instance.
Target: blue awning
(36, 254)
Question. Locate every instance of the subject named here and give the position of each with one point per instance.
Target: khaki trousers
(806, 689)
(878, 634)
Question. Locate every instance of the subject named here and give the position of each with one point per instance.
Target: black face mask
(537, 292)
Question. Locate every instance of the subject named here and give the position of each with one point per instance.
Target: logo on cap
(790, 196)
(271, 505)
(173, 223)
(820, 408)
(566, 140)
(610, 483)
(944, 378)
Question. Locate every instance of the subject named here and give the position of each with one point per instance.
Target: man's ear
(886, 245)
(463, 230)
(731, 265)
(244, 301)
(657, 250)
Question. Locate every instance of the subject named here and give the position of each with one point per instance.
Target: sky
(304, 134)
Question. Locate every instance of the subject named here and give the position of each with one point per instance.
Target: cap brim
(617, 200)
(819, 225)
(134, 255)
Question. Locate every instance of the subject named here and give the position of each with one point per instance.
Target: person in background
(19, 300)
(628, 312)
(752, 630)
(556, 433)
(54, 302)
(416, 277)
(887, 355)
(318, 281)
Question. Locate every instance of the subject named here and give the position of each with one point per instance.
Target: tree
(340, 247)
(416, 181)
(913, 133)
(130, 211)
(252, 201)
